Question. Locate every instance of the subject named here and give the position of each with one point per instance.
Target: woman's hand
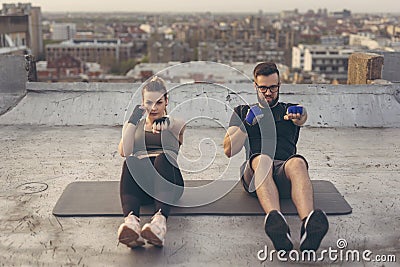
(161, 124)
(137, 114)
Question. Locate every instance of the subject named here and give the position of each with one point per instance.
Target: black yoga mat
(102, 199)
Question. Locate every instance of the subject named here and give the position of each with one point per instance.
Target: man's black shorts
(281, 180)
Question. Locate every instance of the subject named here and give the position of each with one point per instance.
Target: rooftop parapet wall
(60, 104)
(13, 77)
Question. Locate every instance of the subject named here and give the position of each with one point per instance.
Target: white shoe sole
(130, 238)
(151, 237)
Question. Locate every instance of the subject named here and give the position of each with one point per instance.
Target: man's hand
(254, 114)
(161, 124)
(298, 115)
(294, 113)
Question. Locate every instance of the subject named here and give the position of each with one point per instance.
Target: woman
(150, 146)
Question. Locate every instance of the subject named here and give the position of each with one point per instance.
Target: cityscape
(311, 47)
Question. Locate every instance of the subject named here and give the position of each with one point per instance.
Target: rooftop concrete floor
(362, 163)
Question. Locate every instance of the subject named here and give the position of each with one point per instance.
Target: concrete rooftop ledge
(58, 104)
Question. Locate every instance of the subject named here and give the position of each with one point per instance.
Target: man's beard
(265, 103)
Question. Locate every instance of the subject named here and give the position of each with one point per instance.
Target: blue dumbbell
(254, 114)
(295, 110)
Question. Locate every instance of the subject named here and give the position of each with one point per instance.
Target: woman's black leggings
(133, 196)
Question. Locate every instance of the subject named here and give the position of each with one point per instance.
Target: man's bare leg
(266, 189)
(275, 224)
(315, 223)
(302, 191)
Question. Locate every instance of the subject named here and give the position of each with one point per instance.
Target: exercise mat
(101, 198)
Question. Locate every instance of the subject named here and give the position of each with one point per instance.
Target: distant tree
(145, 59)
(123, 67)
(114, 67)
(127, 65)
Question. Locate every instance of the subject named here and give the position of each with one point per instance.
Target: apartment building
(21, 25)
(241, 51)
(166, 51)
(62, 31)
(104, 52)
(331, 61)
(14, 32)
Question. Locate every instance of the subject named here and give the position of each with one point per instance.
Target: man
(281, 174)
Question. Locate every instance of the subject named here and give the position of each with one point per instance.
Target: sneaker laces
(157, 215)
(132, 219)
(159, 220)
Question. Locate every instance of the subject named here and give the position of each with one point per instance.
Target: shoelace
(132, 218)
(158, 219)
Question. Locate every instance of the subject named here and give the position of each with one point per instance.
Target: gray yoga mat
(102, 199)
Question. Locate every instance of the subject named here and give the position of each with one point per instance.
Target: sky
(356, 6)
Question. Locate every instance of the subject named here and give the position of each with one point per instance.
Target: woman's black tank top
(146, 141)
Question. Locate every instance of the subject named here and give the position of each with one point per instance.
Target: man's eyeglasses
(263, 88)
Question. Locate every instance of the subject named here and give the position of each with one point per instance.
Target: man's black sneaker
(313, 230)
(278, 231)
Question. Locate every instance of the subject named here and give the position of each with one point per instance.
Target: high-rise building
(63, 31)
(24, 26)
(104, 52)
(13, 35)
(331, 61)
